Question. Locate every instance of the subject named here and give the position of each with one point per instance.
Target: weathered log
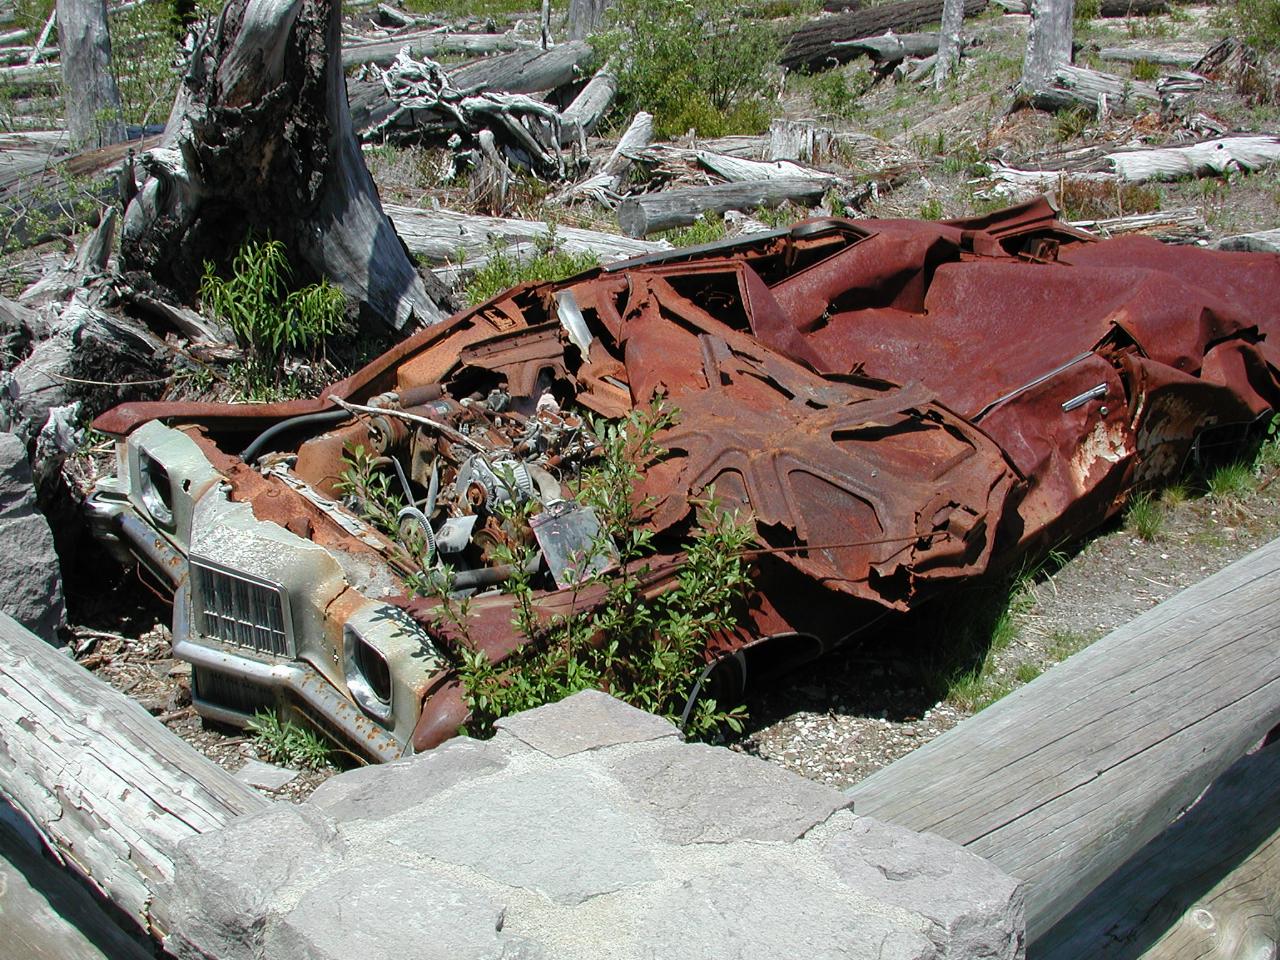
(891, 48)
(950, 42)
(429, 43)
(1211, 158)
(439, 236)
(1048, 42)
(1065, 779)
(605, 186)
(112, 790)
(1069, 87)
(1013, 6)
(1132, 8)
(654, 212)
(1167, 58)
(30, 75)
(741, 170)
(580, 117)
(94, 117)
(523, 71)
(262, 140)
(586, 17)
(813, 46)
(1181, 225)
(1208, 887)
(88, 263)
(1265, 241)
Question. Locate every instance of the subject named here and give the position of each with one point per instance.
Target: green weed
(1145, 516)
(288, 743)
(708, 228)
(931, 209)
(503, 270)
(1026, 672)
(1230, 481)
(1145, 71)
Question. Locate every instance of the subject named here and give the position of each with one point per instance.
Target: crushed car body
(896, 404)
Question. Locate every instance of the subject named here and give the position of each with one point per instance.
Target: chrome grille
(240, 609)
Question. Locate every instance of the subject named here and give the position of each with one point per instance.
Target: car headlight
(156, 490)
(368, 674)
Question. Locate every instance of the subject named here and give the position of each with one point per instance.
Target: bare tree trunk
(586, 17)
(949, 41)
(94, 118)
(261, 141)
(1048, 41)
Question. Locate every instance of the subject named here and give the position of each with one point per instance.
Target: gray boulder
(30, 576)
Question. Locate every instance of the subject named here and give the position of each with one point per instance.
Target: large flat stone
(378, 792)
(393, 911)
(226, 883)
(30, 575)
(552, 831)
(587, 720)
(700, 794)
(975, 909)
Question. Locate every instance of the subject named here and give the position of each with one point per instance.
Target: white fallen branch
(605, 185)
(1180, 224)
(1265, 241)
(1069, 87)
(1212, 158)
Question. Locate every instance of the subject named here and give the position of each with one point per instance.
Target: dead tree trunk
(1048, 42)
(586, 17)
(949, 42)
(261, 141)
(93, 99)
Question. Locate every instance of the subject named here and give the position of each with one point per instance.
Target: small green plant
(1026, 672)
(931, 209)
(367, 488)
(1174, 495)
(836, 93)
(1086, 10)
(708, 228)
(1064, 643)
(1230, 482)
(701, 66)
(283, 741)
(1069, 124)
(646, 650)
(1146, 71)
(503, 270)
(1145, 516)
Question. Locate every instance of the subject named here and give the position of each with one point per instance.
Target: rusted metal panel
(897, 404)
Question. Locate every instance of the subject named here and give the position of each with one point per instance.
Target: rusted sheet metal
(897, 404)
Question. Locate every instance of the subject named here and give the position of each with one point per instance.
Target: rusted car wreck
(897, 404)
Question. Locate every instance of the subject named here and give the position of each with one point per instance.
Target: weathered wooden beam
(1066, 778)
(1208, 887)
(112, 790)
(668, 209)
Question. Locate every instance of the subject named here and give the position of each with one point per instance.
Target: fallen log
(261, 139)
(1072, 87)
(440, 236)
(669, 209)
(30, 75)
(1132, 8)
(605, 186)
(110, 788)
(1265, 241)
(1181, 225)
(1065, 779)
(429, 43)
(524, 71)
(580, 117)
(741, 170)
(1166, 58)
(814, 45)
(891, 47)
(1211, 158)
(1208, 887)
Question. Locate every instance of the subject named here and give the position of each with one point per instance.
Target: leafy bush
(286, 742)
(265, 314)
(699, 66)
(503, 270)
(835, 93)
(646, 650)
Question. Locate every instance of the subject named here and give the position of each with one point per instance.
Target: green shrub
(699, 66)
(1256, 23)
(286, 742)
(646, 650)
(708, 228)
(1146, 71)
(836, 94)
(503, 270)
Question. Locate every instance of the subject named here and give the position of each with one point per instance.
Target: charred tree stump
(94, 118)
(261, 141)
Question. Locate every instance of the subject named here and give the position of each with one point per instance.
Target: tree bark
(94, 117)
(261, 141)
(1048, 42)
(949, 42)
(1067, 87)
(814, 46)
(586, 17)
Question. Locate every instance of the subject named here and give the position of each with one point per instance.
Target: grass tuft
(1145, 517)
(1231, 481)
(285, 742)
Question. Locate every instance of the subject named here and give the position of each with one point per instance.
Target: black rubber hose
(307, 419)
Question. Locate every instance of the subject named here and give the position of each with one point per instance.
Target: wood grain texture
(1063, 780)
(653, 212)
(112, 789)
(1208, 887)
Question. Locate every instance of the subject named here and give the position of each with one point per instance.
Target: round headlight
(157, 493)
(368, 676)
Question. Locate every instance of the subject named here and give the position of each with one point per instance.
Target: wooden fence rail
(1066, 779)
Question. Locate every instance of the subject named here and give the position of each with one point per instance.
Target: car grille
(241, 610)
(230, 693)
